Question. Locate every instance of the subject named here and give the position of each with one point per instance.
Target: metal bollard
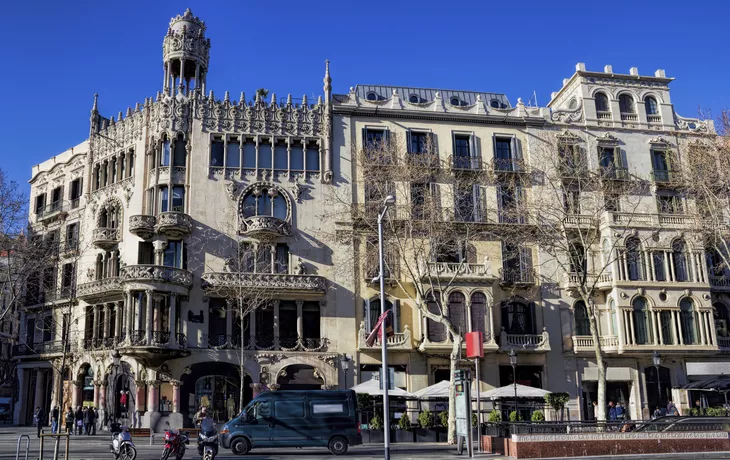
(27, 446)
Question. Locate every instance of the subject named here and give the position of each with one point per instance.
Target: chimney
(660, 73)
(634, 71)
(580, 67)
(608, 68)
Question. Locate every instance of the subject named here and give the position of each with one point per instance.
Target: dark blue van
(324, 418)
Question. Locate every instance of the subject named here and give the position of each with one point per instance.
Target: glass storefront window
(219, 394)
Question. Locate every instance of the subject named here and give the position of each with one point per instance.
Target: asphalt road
(96, 448)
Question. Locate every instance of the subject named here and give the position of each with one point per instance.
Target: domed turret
(185, 52)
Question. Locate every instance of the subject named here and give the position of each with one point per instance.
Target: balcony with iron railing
(264, 341)
(176, 343)
(510, 165)
(665, 176)
(398, 341)
(174, 224)
(585, 344)
(618, 173)
(723, 344)
(720, 283)
(142, 225)
(56, 210)
(524, 342)
(517, 277)
(464, 163)
(105, 237)
(422, 160)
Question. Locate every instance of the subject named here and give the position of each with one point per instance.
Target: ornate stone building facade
(174, 220)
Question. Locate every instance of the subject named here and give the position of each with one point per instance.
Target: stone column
(102, 396)
(94, 323)
(229, 319)
(76, 395)
(140, 402)
(699, 318)
(252, 327)
(276, 324)
(119, 319)
(257, 388)
(675, 335)
(150, 308)
(300, 320)
(632, 329)
(153, 391)
(176, 395)
(97, 393)
(172, 317)
(40, 381)
(679, 327)
(107, 319)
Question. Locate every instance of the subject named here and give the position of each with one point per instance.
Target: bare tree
(432, 233)
(231, 270)
(580, 189)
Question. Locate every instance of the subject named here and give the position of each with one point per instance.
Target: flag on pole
(370, 341)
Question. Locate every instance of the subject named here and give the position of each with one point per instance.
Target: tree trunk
(601, 407)
(455, 352)
(242, 369)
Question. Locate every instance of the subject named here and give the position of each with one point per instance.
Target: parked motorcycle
(175, 442)
(122, 446)
(208, 440)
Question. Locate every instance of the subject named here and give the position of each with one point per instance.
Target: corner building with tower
(173, 212)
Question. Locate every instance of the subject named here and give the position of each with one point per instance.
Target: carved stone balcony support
(142, 225)
(174, 224)
(399, 341)
(301, 284)
(150, 274)
(264, 226)
(525, 342)
(99, 288)
(105, 238)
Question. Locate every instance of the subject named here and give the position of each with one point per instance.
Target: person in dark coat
(92, 420)
(79, 419)
(40, 416)
(69, 420)
(86, 420)
(55, 413)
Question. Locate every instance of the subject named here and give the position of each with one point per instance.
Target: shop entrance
(215, 386)
(616, 391)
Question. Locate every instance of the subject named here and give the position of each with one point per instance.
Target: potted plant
(493, 439)
(557, 401)
(537, 416)
(514, 416)
(376, 429)
(404, 432)
(426, 432)
(443, 430)
(475, 432)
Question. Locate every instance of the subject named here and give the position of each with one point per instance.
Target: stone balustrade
(584, 343)
(525, 342)
(157, 273)
(265, 225)
(105, 237)
(266, 281)
(142, 225)
(399, 340)
(106, 286)
(174, 224)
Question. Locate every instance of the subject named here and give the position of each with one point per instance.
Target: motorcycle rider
(207, 426)
(200, 415)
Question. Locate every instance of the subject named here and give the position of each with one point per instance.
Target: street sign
(462, 384)
(474, 345)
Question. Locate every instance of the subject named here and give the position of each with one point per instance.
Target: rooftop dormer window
(495, 103)
(414, 99)
(455, 101)
(371, 96)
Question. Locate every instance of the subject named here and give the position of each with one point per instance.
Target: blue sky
(56, 55)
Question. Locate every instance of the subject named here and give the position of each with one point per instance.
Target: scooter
(122, 446)
(208, 441)
(175, 442)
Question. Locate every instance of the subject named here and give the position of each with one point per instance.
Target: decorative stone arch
(606, 91)
(257, 189)
(650, 93)
(304, 374)
(81, 368)
(640, 292)
(113, 204)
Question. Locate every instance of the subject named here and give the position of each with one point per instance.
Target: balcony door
(518, 317)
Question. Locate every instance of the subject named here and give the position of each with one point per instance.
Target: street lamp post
(345, 363)
(389, 201)
(657, 360)
(513, 362)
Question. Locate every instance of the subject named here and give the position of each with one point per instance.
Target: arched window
(626, 103)
(720, 313)
(436, 332)
(457, 311)
(679, 260)
(414, 99)
(518, 318)
(651, 106)
(687, 319)
(265, 202)
(642, 322)
(582, 323)
(602, 103)
(495, 103)
(614, 315)
(109, 217)
(634, 260)
(478, 310)
(180, 152)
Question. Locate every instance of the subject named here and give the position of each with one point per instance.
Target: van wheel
(338, 445)
(240, 446)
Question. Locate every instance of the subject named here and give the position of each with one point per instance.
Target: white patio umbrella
(508, 392)
(372, 387)
(438, 391)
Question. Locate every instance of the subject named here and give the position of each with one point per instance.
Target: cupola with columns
(185, 53)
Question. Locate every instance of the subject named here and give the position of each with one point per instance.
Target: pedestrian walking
(55, 413)
(92, 420)
(672, 409)
(69, 420)
(595, 410)
(620, 411)
(86, 421)
(79, 420)
(40, 416)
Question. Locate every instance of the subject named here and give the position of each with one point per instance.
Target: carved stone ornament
(688, 292)
(269, 358)
(641, 291)
(624, 295)
(232, 189)
(330, 358)
(300, 269)
(297, 191)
